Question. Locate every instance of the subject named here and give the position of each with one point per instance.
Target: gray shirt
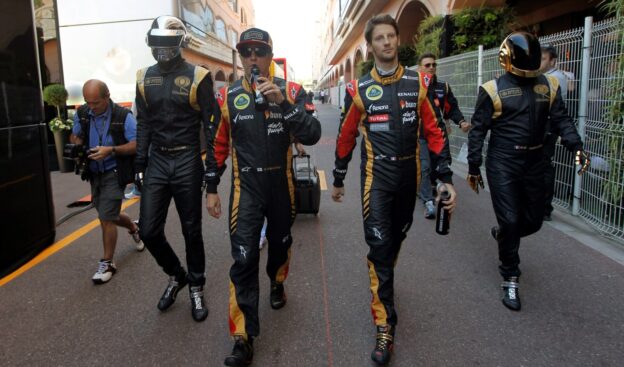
(563, 80)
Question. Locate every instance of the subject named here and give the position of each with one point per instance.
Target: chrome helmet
(521, 55)
(166, 37)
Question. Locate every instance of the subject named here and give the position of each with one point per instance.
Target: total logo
(241, 101)
(374, 92)
(240, 117)
(407, 104)
(379, 118)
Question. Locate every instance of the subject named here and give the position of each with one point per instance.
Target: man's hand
(300, 150)
(99, 153)
(582, 159)
(270, 90)
(465, 126)
(451, 203)
(474, 181)
(138, 181)
(213, 204)
(338, 193)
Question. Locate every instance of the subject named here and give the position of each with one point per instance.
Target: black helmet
(520, 54)
(166, 36)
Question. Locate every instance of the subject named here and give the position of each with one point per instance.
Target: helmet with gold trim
(166, 36)
(521, 55)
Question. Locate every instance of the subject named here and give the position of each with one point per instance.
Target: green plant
(614, 114)
(407, 55)
(56, 95)
(429, 33)
(480, 26)
(365, 66)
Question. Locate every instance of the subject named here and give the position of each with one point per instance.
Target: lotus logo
(241, 101)
(374, 92)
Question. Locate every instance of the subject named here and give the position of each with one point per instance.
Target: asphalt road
(446, 289)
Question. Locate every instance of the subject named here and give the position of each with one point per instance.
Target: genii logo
(241, 101)
(374, 92)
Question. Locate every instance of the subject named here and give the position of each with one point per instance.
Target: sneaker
(242, 353)
(106, 269)
(429, 210)
(263, 242)
(278, 296)
(134, 193)
(384, 345)
(199, 309)
(176, 283)
(511, 295)
(140, 246)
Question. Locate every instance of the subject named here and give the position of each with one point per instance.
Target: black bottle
(443, 217)
(260, 101)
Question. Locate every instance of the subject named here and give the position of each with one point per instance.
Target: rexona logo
(241, 101)
(407, 104)
(374, 92)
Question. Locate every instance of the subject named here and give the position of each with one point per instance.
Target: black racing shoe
(495, 232)
(176, 283)
(511, 295)
(384, 345)
(242, 353)
(278, 296)
(199, 309)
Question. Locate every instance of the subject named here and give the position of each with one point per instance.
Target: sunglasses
(434, 64)
(259, 51)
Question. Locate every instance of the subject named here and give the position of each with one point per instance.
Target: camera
(79, 153)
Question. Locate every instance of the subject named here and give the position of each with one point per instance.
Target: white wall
(106, 40)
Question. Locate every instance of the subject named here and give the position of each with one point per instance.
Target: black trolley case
(307, 185)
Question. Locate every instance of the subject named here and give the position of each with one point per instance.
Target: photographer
(108, 133)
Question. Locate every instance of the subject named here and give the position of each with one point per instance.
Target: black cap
(255, 36)
(551, 50)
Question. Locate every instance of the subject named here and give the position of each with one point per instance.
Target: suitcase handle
(303, 156)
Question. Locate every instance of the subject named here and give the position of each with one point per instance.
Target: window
(198, 15)
(234, 5)
(220, 30)
(233, 38)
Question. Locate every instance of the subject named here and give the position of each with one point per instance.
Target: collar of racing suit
(388, 79)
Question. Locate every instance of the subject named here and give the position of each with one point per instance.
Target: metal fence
(596, 196)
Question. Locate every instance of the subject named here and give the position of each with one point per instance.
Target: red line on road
(330, 355)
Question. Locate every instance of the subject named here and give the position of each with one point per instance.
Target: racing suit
(262, 186)
(446, 102)
(387, 111)
(516, 111)
(173, 99)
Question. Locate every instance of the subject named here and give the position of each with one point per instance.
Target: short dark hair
(550, 50)
(427, 55)
(377, 20)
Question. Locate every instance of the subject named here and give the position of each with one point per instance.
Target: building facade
(343, 47)
(100, 41)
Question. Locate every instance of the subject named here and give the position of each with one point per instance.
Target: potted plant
(56, 95)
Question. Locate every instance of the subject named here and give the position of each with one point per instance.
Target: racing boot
(176, 283)
(242, 353)
(199, 309)
(511, 295)
(278, 296)
(384, 345)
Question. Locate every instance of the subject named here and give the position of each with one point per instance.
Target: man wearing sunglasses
(447, 104)
(259, 138)
(387, 107)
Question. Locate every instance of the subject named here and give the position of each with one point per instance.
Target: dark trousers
(517, 189)
(549, 172)
(387, 218)
(248, 208)
(178, 176)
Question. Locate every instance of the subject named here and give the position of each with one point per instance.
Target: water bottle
(260, 100)
(443, 218)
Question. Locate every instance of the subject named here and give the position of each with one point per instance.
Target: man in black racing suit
(386, 106)
(516, 108)
(173, 99)
(259, 136)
